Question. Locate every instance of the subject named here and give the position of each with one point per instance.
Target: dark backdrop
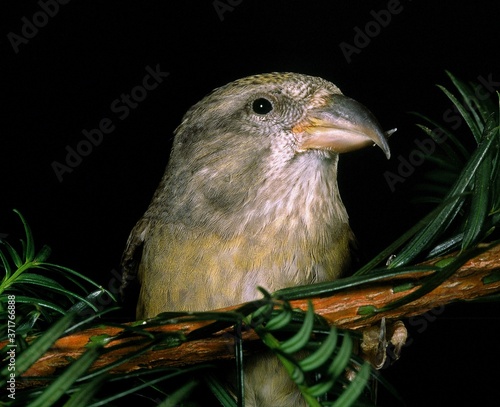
(65, 70)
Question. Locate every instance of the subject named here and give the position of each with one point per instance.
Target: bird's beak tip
(343, 125)
(385, 148)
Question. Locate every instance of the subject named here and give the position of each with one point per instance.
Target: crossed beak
(342, 125)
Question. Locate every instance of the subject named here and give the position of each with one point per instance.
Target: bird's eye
(262, 106)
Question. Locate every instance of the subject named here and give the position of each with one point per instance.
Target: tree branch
(479, 277)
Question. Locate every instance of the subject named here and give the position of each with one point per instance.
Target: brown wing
(133, 252)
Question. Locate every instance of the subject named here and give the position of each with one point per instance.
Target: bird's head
(290, 111)
(251, 141)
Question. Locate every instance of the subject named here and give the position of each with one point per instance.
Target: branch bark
(479, 277)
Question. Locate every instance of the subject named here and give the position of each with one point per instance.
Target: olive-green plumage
(250, 198)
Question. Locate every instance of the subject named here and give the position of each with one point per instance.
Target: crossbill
(250, 198)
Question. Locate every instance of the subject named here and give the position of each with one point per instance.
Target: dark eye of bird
(262, 106)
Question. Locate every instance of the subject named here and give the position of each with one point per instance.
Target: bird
(250, 198)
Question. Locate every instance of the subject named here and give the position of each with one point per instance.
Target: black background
(65, 78)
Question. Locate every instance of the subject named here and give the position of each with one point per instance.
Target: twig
(479, 277)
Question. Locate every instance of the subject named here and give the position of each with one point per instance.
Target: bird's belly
(208, 272)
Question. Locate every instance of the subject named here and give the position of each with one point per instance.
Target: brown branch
(474, 279)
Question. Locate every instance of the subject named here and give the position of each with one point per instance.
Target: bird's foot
(383, 343)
